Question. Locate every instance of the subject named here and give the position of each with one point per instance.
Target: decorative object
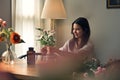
(53, 9)
(9, 37)
(46, 37)
(91, 69)
(113, 4)
(31, 56)
(8, 56)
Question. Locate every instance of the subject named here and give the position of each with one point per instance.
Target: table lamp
(53, 9)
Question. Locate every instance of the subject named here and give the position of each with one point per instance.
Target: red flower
(14, 38)
(4, 23)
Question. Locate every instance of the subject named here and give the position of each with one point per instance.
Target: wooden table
(21, 70)
(26, 72)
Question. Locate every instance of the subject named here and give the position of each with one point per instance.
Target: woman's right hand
(43, 50)
(48, 50)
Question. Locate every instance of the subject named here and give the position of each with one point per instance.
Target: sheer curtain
(25, 17)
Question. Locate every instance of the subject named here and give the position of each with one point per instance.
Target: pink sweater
(69, 47)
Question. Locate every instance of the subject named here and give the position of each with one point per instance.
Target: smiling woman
(25, 17)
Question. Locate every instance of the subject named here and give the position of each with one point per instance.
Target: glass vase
(8, 56)
(49, 57)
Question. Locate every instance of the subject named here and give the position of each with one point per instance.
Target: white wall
(104, 23)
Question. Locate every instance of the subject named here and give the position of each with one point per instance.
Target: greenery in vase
(46, 37)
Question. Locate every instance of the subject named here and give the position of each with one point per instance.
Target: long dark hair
(83, 22)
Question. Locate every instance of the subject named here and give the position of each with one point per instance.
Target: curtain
(25, 18)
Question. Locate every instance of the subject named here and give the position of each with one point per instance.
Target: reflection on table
(21, 70)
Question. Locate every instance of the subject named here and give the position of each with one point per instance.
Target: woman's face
(77, 31)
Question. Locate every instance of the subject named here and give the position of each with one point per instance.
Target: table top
(20, 67)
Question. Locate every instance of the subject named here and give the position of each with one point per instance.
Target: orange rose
(14, 38)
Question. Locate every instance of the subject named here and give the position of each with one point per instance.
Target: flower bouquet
(94, 70)
(9, 37)
(46, 37)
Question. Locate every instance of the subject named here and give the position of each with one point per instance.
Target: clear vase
(8, 56)
(49, 57)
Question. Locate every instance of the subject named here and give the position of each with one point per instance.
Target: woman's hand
(50, 49)
(44, 50)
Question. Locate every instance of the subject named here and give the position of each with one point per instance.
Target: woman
(76, 50)
(80, 42)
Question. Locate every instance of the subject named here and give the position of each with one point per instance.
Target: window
(26, 16)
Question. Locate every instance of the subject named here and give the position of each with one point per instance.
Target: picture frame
(113, 4)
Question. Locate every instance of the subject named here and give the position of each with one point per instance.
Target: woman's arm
(87, 50)
(58, 52)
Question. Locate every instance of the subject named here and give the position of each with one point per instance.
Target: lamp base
(52, 24)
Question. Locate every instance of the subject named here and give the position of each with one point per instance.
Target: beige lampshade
(53, 9)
